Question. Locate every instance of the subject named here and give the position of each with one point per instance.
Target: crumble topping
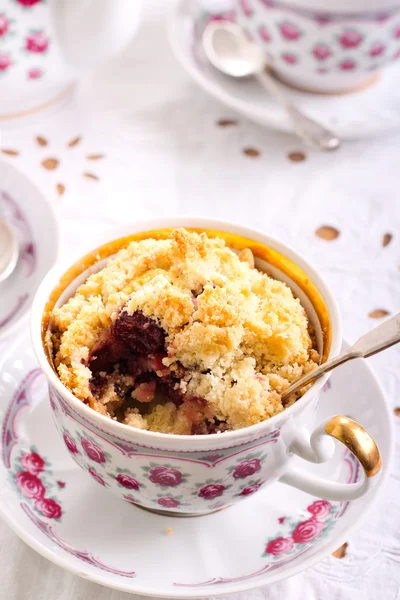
(182, 336)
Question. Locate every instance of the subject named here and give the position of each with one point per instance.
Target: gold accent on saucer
(39, 107)
(237, 242)
(358, 441)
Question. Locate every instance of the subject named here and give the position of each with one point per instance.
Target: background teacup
(43, 43)
(324, 45)
(199, 474)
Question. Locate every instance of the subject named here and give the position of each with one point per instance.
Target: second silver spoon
(228, 50)
(385, 335)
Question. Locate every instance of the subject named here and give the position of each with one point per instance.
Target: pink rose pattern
(30, 485)
(304, 532)
(211, 491)
(279, 546)
(33, 463)
(165, 476)
(33, 488)
(96, 476)
(347, 65)
(350, 39)
(28, 3)
(37, 42)
(289, 31)
(4, 25)
(168, 502)
(69, 442)
(247, 468)
(320, 509)
(250, 489)
(246, 7)
(289, 58)
(127, 481)
(35, 73)
(377, 49)
(322, 51)
(264, 34)
(93, 451)
(49, 508)
(5, 62)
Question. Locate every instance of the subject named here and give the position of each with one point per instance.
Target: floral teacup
(195, 475)
(322, 45)
(43, 43)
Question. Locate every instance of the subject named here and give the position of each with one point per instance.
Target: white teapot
(43, 43)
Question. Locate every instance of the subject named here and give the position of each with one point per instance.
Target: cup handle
(319, 448)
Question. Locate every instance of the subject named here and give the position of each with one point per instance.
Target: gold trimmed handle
(358, 441)
(316, 449)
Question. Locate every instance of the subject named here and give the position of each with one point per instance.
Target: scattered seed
(296, 156)
(41, 140)
(252, 152)
(60, 189)
(378, 313)
(340, 552)
(327, 232)
(95, 156)
(227, 122)
(169, 531)
(74, 142)
(397, 411)
(10, 152)
(91, 176)
(387, 238)
(50, 163)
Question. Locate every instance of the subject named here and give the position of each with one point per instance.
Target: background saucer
(63, 514)
(24, 206)
(370, 112)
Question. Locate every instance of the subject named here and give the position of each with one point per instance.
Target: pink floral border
(321, 518)
(83, 555)
(20, 400)
(127, 448)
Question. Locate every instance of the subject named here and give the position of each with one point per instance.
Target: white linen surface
(164, 155)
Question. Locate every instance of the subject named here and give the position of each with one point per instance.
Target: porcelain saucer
(25, 207)
(370, 112)
(68, 518)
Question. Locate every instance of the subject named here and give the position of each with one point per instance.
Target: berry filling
(127, 362)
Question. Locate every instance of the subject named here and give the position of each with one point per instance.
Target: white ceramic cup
(44, 43)
(329, 46)
(199, 474)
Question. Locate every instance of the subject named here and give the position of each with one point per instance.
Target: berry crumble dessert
(182, 336)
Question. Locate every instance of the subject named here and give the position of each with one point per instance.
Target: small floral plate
(370, 112)
(26, 209)
(68, 518)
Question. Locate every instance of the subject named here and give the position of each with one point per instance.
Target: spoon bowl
(9, 250)
(228, 50)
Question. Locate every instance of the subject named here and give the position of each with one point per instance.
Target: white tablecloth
(164, 154)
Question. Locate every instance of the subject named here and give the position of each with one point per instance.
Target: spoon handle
(385, 335)
(311, 132)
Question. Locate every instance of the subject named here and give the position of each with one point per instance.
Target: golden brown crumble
(232, 338)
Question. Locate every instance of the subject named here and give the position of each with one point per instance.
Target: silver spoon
(385, 335)
(8, 250)
(229, 51)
